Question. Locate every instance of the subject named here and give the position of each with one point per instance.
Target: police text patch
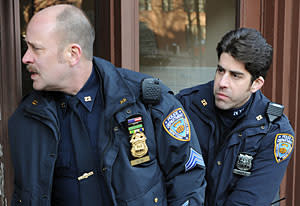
(283, 146)
(177, 125)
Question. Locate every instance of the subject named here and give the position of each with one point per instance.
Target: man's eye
(220, 70)
(236, 76)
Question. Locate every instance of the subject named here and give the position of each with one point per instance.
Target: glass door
(178, 38)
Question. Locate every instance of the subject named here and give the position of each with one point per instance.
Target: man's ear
(257, 84)
(72, 54)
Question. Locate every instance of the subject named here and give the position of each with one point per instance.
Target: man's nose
(224, 80)
(27, 58)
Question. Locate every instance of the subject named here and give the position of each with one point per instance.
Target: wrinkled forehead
(40, 27)
(41, 34)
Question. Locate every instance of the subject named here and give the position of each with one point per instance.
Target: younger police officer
(84, 137)
(246, 142)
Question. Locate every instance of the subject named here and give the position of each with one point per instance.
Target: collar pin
(204, 102)
(259, 117)
(87, 98)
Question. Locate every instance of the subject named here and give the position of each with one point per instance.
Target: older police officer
(85, 137)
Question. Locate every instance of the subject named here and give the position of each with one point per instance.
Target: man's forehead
(39, 28)
(233, 69)
(40, 34)
(41, 21)
(231, 64)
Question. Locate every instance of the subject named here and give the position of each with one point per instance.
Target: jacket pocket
(156, 196)
(21, 197)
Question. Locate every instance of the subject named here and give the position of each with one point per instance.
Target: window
(178, 46)
(166, 5)
(145, 5)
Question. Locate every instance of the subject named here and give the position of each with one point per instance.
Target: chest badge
(139, 148)
(243, 165)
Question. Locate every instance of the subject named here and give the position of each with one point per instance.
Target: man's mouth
(33, 75)
(33, 72)
(220, 95)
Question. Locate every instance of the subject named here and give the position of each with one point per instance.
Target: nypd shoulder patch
(194, 159)
(283, 146)
(177, 125)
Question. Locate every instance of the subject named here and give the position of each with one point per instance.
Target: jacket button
(104, 169)
(262, 127)
(52, 155)
(128, 111)
(116, 128)
(219, 163)
(240, 134)
(156, 200)
(63, 105)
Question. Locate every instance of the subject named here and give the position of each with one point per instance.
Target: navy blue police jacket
(174, 175)
(267, 148)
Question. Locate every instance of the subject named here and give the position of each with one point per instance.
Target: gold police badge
(139, 147)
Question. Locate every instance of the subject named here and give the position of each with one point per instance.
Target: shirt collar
(88, 92)
(229, 117)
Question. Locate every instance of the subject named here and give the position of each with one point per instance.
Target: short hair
(74, 27)
(249, 47)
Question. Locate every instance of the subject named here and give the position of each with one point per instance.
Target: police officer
(93, 134)
(245, 139)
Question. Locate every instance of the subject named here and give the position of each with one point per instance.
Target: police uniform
(151, 157)
(246, 165)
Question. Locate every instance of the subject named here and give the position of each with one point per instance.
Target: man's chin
(222, 105)
(37, 87)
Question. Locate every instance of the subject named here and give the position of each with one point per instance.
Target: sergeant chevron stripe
(194, 159)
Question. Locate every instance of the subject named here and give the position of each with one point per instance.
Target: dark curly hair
(249, 47)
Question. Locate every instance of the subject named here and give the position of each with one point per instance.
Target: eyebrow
(32, 44)
(231, 70)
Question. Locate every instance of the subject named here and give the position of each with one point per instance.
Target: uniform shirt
(66, 186)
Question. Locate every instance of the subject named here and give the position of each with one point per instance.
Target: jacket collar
(204, 101)
(115, 91)
(88, 92)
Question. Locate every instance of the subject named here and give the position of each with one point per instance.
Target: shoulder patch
(283, 146)
(186, 203)
(177, 125)
(194, 159)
